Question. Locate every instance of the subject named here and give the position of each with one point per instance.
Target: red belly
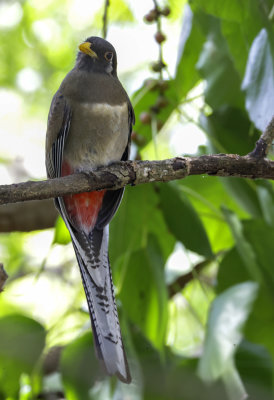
(82, 208)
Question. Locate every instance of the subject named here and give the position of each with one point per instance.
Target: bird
(89, 125)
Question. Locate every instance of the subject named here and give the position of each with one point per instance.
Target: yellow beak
(86, 48)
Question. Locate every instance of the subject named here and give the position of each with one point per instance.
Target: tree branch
(263, 144)
(179, 284)
(123, 173)
(28, 216)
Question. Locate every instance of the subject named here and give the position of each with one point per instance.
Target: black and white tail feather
(92, 256)
(92, 252)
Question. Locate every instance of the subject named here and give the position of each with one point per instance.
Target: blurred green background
(192, 260)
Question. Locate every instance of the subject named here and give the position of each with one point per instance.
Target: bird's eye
(108, 55)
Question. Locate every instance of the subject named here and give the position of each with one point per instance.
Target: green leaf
(138, 216)
(261, 239)
(182, 220)
(266, 197)
(182, 383)
(229, 312)
(260, 325)
(22, 341)
(244, 192)
(216, 67)
(144, 282)
(258, 82)
(176, 7)
(243, 247)
(232, 10)
(145, 98)
(173, 378)
(240, 34)
(207, 195)
(236, 40)
(79, 368)
(61, 235)
(231, 271)
(234, 386)
(254, 242)
(191, 41)
(187, 317)
(256, 368)
(228, 130)
(119, 12)
(12, 252)
(147, 354)
(142, 99)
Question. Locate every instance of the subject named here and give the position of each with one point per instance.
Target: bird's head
(97, 55)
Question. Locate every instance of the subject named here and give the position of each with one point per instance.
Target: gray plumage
(89, 124)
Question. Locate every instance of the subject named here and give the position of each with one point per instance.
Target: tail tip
(124, 378)
(122, 374)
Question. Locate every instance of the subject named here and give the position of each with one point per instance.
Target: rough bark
(121, 174)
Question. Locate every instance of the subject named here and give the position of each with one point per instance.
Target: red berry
(162, 102)
(165, 11)
(151, 84)
(133, 136)
(148, 18)
(138, 139)
(157, 66)
(155, 109)
(160, 124)
(160, 37)
(162, 85)
(151, 16)
(145, 118)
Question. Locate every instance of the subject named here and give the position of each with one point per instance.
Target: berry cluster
(161, 102)
(154, 14)
(159, 85)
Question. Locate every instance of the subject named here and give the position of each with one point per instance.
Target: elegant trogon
(89, 125)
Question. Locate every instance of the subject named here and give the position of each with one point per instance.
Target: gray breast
(98, 134)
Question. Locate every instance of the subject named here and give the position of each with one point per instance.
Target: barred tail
(92, 256)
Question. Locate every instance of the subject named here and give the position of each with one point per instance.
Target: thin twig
(105, 18)
(159, 29)
(183, 280)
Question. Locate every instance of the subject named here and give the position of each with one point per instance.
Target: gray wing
(59, 120)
